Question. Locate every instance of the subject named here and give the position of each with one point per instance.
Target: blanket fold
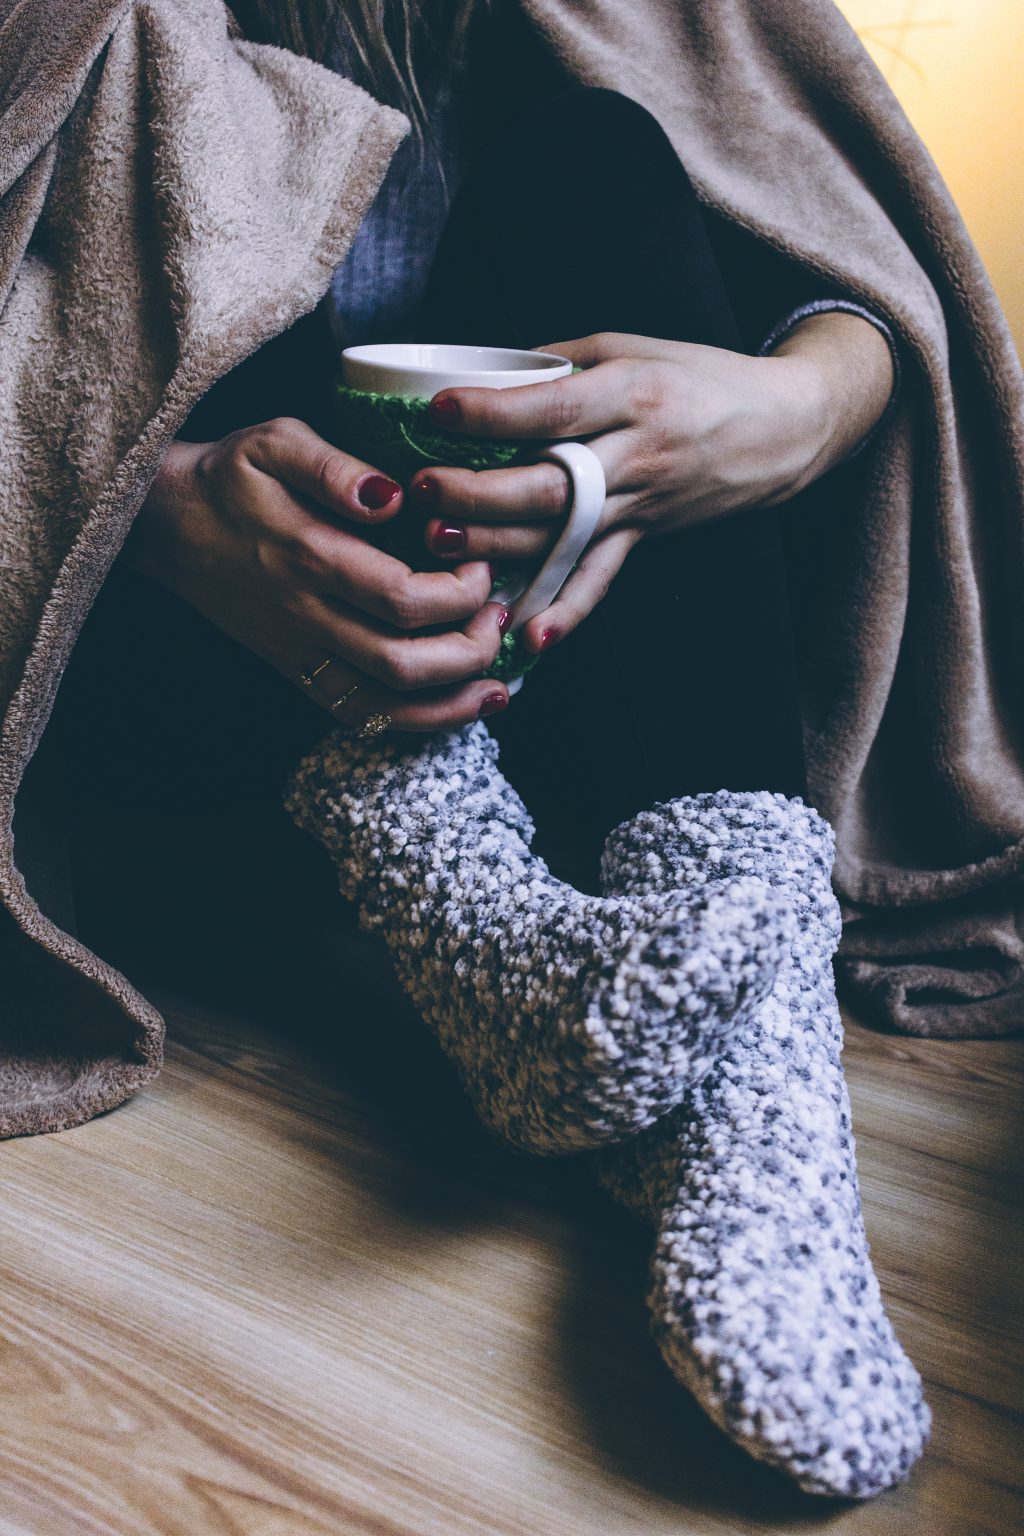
(172, 196)
(177, 196)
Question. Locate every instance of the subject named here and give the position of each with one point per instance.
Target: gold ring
(373, 725)
(307, 679)
(345, 696)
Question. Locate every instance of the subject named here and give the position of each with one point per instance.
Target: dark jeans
(576, 218)
(581, 219)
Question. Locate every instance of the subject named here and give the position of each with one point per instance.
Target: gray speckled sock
(763, 1298)
(572, 1019)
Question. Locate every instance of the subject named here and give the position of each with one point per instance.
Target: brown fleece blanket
(173, 196)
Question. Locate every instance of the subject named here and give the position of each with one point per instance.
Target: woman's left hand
(684, 433)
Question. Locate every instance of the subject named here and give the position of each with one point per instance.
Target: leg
(546, 999)
(684, 678)
(164, 709)
(572, 1020)
(763, 1298)
(177, 742)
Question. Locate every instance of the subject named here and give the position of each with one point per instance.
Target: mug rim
(368, 353)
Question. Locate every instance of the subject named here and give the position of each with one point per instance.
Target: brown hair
(387, 37)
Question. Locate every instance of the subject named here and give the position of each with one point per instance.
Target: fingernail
(427, 494)
(376, 491)
(445, 410)
(548, 637)
(448, 541)
(504, 620)
(491, 705)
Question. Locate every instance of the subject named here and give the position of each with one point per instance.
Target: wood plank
(293, 1288)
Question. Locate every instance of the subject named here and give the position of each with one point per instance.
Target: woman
(575, 1021)
(690, 428)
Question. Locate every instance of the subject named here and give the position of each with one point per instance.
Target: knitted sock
(763, 1298)
(572, 1019)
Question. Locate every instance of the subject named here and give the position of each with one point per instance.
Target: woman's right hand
(250, 531)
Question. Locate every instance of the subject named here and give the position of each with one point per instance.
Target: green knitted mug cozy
(399, 437)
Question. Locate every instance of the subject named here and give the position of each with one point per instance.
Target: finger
(351, 697)
(522, 541)
(489, 541)
(599, 564)
(576, 406)
(291, 451)
(606, 346)
(450, 707)
(344, 566)
(523, 493)
(338, 687)
(405, 662)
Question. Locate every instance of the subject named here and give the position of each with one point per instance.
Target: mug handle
(589, 492)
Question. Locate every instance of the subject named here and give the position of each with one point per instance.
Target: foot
(573, 1020)
(763, 1298)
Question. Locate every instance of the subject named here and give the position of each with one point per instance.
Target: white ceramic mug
(418, 370)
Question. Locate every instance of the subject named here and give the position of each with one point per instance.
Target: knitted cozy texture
(399, 437)
(763, 1298)
(571, 1019)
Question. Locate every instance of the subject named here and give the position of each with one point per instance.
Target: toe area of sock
(866, 1452)
(835, 1441)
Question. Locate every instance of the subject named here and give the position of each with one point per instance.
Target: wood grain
(292, 1288)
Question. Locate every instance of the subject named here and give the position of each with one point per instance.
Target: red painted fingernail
(448, 541)
(504, 620)
(491, 705)
(427, 494)
(445, 410)
(376, 491)
(548, 637)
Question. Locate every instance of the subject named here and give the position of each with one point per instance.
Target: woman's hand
(684, 432)
(250, 531)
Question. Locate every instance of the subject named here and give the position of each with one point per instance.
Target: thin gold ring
(345, 696)
(307, 679)
(373, 725)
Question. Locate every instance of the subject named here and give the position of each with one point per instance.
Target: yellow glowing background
(957, 66)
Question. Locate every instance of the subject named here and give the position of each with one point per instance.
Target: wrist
(800, 431)
(153, 546)
(839, 382)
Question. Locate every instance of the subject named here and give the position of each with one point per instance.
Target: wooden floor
(292, 1288)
